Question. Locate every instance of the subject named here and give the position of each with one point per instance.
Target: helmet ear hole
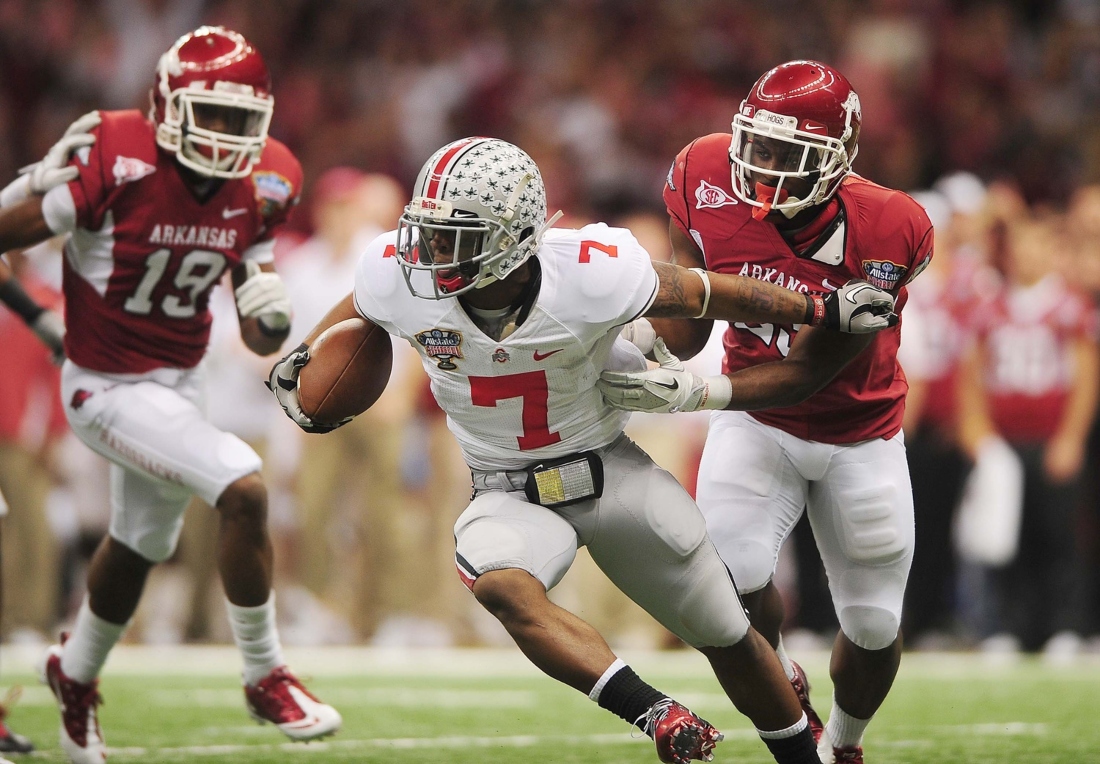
(525, 234)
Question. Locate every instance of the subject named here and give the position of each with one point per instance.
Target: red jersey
(145, 252)
(941, 314)
(1028, 334)
(879, 235)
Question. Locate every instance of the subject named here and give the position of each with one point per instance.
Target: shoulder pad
(598, 273)
(378, 278)
(277, 178)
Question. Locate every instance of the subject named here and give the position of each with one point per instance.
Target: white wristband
(719, 392)
(706, 289)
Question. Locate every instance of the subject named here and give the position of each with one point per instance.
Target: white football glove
(859, 308)
(50, 328)
(283, 382)
(263, 296)
(53, 169)
(668, 389)
(640, 334)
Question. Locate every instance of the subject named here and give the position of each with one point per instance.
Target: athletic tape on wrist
(706, 289)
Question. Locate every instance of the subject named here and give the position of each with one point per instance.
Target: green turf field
(182, 705)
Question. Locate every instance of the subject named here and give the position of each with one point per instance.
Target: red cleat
(680, 735)
(81, 737)
(281, 699)
(802, 689)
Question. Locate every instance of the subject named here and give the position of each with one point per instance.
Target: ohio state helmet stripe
(436, 175)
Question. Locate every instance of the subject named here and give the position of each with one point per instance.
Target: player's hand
(859, 308)
(640, 334)
(54, 169)
(263, 296)
(668, 389)
(283, 381)
(50, 328)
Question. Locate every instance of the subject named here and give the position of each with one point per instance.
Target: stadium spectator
(1033, 378)
(938, 317)
(31, 421)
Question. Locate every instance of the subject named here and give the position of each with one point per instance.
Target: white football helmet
(478, 212)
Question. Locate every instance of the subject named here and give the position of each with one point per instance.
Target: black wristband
(265, 331)
(12, 295)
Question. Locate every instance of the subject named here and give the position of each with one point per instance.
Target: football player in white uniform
(514, 321)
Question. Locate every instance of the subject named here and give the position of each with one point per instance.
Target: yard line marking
(371, 696)
(998, 728)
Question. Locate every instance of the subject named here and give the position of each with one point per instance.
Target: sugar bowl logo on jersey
(442, 346)
(883, 273)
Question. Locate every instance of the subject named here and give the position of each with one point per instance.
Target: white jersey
(532, 395)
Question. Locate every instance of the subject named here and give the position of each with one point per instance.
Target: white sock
(257, 638)
(781, 651)
(88, 645)
(786, 732)
(845, 730)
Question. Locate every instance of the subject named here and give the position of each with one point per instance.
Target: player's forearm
(341, 311)
(23, 225)
(772, 385)
(260, 340)
(683, 294)
(13, 295)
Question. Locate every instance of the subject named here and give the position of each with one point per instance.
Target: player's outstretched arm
(816, 357)
(856, 308)
(22, 226)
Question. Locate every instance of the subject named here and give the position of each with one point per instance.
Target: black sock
(797, 749)
(628, 697)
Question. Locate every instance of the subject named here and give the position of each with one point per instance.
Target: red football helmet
(212, 102)
(795, 133)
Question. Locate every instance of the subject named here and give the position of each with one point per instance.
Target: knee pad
(711, 613)
(751, 564)
(871, 628)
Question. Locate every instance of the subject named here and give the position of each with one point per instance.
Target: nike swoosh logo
(541, 356)
(666, 385)
(228, 213)
(825, 283)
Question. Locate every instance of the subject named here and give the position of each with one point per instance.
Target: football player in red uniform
(777, 201)
(160, 207)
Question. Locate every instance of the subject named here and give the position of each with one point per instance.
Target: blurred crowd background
(987, 112)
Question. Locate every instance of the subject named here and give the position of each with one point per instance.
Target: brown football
(349, 366)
